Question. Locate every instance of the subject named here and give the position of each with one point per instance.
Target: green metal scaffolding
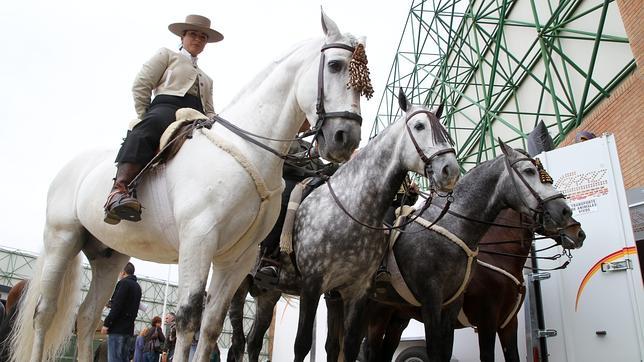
(500, 66)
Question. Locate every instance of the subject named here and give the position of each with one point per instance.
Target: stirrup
(382, 280)
(121, 206)
(383, 276)
(267, 277)
(111, 218)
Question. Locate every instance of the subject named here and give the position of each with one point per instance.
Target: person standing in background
(119, 323)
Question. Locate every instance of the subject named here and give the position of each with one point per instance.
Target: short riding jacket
(174, 74)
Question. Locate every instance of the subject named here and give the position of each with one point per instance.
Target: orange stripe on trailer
(631, 250)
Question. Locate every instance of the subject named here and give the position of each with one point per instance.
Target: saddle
(174, 137)
(299, 193)
(179, 131)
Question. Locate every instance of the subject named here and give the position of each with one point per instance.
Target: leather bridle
(539, 212)
(426, 160)
(319, 106)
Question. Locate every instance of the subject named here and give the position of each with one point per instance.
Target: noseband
(540, 211)
(319, 107)
(426, 160)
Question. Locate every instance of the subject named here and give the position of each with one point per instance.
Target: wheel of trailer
(413, 354)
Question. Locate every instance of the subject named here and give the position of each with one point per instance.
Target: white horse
(206, 208)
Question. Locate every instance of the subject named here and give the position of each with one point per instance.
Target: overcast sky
(67, 70)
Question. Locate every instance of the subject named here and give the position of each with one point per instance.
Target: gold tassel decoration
(359, 72)
(543, 174)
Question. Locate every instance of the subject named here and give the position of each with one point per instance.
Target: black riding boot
(120, 204)
(267, 275)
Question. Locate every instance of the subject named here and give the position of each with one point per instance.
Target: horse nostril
(339, 137)
(445, 171)
(581, 235)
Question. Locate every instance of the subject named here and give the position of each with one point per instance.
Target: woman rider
(175, 81)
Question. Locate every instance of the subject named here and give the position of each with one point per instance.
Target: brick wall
(622, 114)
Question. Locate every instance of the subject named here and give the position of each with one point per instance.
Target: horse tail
(60, 329)
(5, 329)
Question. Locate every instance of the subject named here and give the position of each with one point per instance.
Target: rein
(564, 252)
(426, 205)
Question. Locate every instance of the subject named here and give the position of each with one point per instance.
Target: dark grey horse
(434, 267)
(491, 300)
(337, 252)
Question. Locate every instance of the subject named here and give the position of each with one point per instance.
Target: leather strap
(520, 294)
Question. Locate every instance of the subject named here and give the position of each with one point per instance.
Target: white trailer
(596, 305)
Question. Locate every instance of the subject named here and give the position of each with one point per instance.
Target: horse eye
(530, 171)
(335, 66)
(419, 127)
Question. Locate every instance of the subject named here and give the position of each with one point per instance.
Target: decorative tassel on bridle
(543, 174)
(359, 72)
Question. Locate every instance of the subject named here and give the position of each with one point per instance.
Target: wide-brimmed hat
(198, 23)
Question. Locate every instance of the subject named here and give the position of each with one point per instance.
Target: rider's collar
(185, 53)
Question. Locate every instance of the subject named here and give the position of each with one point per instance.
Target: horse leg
(354, 326)
(236, 316)
(105, 270)
(335, 316)
(226, 279)
(309, 299)
(263, 317)
(431, 312)
(448, 317)
(194, 263)
(397, 325)
(376, 327)
(51, 295)
(508, 337)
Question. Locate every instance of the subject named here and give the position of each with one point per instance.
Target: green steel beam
(460, 52)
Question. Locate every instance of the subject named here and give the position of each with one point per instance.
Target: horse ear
(402, 100)
(504, 148)
(329, 26)
(439, 110)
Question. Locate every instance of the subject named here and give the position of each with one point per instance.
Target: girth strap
(398, 281)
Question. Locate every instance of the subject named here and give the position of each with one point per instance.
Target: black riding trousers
(142, 142)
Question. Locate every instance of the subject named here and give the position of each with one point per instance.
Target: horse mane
(252, 85)
(439, 131)
(520, 150)
(263, 74)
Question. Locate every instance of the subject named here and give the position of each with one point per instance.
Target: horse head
(528, 188)
(329, 92)
(570, 236)
(427, 145)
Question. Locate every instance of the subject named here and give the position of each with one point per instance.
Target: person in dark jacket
(119, 323)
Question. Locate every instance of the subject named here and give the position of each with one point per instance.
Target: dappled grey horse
(435, 267)
(338, 239)
(381, 167)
